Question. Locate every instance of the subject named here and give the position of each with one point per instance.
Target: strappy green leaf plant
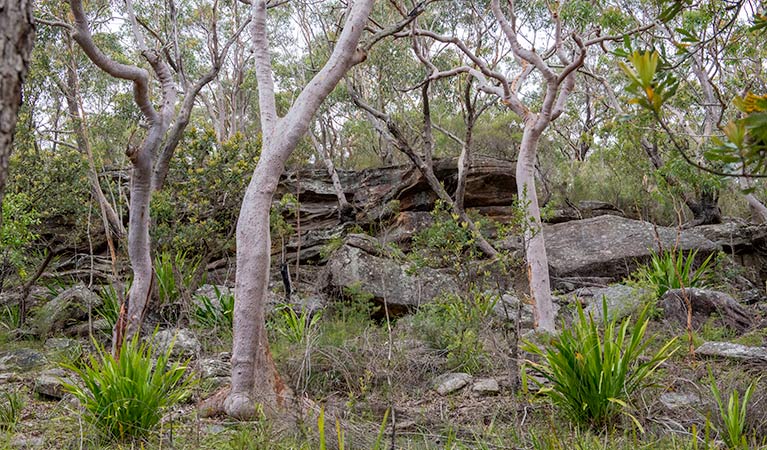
(592, 373)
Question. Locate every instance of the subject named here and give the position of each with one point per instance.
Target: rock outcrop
(611, 246)
(65, 311)
(386, 279)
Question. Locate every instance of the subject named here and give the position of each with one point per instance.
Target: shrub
(733, 415)
(110, 305)
(297, 328)
(669, 270)
(125, 398)
(453, 324)
(593, 373)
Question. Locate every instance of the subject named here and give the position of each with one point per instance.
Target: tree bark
(17, 32)
(255, 379)
(535, 246)
(704, 207)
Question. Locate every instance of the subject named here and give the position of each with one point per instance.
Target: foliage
(9, 317)
(745, 142)
(341, 436)
(11, 405)
(125, 398)
(650, 86)
(445, 243)
(201, 198)
(18, 230)
(672, 270)
(733, 414)
(215, 316)
(453, 324)
(297, 328)
(594, 373)
(176, 276)
(288, 205)
(109, 309)
(331, 246)
(359, 307)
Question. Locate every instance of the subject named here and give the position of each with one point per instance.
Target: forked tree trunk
(255, 380)
(17, 33)
(535, 246)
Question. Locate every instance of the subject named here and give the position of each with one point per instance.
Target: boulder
(621, 300)
(448, 383)
(220, 366)
(21, 360)
(729, 350)
(705, 303)
(383, 278)
(611, 246)
(50, 384)
(406, 225)
(66, 310)
(185, 343)
(486, 386)
(506, 309)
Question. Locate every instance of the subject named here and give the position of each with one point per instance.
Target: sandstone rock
(68, 308)
(679, 400)
(49, 384)
(621, 301)
(83, 329)
(185, 343)
(490, 182)
(486, 386)
(406, 225)
(729, 350)
(383, 278)
(705, 303)
(611, 246)
(21, 360)
(451, 382)
(506, 309)
(220, 366)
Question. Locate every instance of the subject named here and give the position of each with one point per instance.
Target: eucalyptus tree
(255, 380)
(165, 126)
(529, 63)
(16, 41)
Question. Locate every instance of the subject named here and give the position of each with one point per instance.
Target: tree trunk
(255, 379)
(705, 208)
(112, 222)
(345, 210)
(758, 210)
(139, 243)
(17, 34)
(537, 262)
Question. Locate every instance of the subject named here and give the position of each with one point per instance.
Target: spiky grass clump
(593, 373)
(125, 398)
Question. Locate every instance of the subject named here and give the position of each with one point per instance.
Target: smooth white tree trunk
(535, 246)
(255, 380)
